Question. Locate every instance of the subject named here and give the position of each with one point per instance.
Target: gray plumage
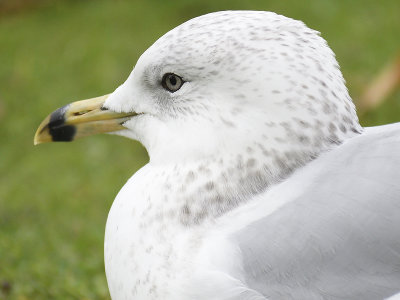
(339, 238)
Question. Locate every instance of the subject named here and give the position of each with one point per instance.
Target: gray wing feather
(340, 238)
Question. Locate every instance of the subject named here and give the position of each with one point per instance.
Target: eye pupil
(172, 82)
(172, 79)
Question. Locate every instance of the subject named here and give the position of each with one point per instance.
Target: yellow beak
(80, 119)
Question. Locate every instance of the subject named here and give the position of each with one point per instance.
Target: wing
(334, 230)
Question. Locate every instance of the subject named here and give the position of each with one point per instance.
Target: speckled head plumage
(247, 75)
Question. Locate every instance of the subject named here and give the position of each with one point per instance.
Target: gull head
(225, 82)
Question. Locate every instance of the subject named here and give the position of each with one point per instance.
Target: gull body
(329, 231)
(261, 183)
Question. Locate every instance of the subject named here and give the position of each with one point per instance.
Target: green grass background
(54, 198)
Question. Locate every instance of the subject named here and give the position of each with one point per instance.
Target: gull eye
(172, 82)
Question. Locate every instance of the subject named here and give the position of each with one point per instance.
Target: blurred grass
(54, 198)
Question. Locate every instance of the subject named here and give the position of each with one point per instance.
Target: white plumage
(261, 182)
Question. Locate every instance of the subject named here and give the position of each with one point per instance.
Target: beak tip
(37, 140)
(42, 134)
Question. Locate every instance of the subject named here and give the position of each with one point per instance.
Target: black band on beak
(59, 131)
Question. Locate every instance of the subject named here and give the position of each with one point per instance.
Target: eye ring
(172, 82)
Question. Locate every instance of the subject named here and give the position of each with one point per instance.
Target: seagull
(261, 183)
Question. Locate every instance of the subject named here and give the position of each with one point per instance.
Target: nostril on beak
(80, 113)
(103, 108)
